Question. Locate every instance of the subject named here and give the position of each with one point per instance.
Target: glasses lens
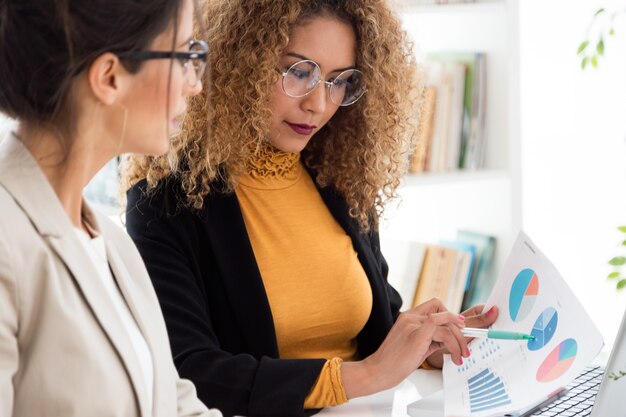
(301, 78)
(347, 88)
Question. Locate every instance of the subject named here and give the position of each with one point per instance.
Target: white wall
(574, 150)
(6, 125)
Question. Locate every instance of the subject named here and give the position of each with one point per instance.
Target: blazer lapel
(227, 233)
(77, 261)
(24, 180)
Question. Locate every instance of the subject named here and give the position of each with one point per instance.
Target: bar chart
(487, 391)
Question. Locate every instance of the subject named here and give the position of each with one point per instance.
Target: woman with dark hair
(81, 331)
(260, 226)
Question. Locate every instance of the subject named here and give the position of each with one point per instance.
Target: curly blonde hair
(362, 152)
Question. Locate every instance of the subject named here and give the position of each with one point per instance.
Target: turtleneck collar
(271, 168)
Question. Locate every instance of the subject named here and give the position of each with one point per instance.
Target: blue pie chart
(544, 329)
(524, 292)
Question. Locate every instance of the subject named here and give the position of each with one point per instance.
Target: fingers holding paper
(474, 317)
(416, 334)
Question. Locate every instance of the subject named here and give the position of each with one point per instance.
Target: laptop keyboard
(579, 397)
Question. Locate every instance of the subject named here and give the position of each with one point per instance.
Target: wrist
(358, 378)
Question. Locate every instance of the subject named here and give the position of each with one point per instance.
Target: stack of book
(459, 272)
(452, 113)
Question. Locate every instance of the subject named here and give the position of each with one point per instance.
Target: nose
(316, 100)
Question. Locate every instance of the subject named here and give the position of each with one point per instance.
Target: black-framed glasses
(196, 58)
(302, 77)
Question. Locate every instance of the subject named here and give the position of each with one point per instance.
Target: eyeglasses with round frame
(301, 78)
(196, 57)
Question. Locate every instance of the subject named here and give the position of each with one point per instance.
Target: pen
(496, 334)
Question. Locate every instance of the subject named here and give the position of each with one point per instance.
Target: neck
(67, 165)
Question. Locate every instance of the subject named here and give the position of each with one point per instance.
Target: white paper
(502, 376)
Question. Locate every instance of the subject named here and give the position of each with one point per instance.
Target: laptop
(596, 392)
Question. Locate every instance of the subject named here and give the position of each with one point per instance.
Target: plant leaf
(594, 61)
(618, 261)
(613, 275)
(600, 47)
(622, 229)
(612, 31)
(584, 62)
(598, 12)
(624, 243)
(582, 46)
(621, 284)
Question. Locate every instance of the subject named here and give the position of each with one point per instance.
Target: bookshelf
(434, 206)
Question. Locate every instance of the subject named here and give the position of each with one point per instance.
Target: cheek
(279, 105)
(171, 94)
(330, 112)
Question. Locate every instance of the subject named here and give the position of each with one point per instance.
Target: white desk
(393, 402)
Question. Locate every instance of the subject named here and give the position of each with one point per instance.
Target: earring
(124, 121)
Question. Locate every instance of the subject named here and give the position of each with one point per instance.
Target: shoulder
(168, 201)
(17, 232)
(164, 199)
(11, 215)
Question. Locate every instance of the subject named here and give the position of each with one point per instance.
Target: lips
(301, 129)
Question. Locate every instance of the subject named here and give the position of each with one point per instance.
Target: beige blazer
(63, 350)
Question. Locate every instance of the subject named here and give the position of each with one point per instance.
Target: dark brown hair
(44, 44)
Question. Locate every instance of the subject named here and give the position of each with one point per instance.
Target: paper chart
(503, 376)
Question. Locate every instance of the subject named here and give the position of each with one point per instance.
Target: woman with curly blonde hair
(259, 228)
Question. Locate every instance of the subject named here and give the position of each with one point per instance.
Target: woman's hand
(473, 318)
(416, 334)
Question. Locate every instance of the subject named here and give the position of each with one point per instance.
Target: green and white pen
(496, 334)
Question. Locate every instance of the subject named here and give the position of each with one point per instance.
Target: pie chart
(523, 295)
(558, 361)
(543, 329)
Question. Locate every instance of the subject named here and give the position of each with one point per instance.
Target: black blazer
(217, 313)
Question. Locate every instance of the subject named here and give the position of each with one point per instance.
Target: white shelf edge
(454, 177)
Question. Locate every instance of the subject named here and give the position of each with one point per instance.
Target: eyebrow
(295, 55)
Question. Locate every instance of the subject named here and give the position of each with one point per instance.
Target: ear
(106, 78)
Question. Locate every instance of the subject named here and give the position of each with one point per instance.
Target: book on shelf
(483, 277)
(426, 113)
(404, 259)
(452, 113)
(458, 272)
(466, 254)
(439, 266)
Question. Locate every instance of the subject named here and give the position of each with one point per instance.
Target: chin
(159, 150)
(155, 148)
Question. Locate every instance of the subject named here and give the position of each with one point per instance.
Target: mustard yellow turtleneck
(318, 292)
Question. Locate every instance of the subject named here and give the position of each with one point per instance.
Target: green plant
(590, 50)
(618, 262)
(615, 377)
(602, 27)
